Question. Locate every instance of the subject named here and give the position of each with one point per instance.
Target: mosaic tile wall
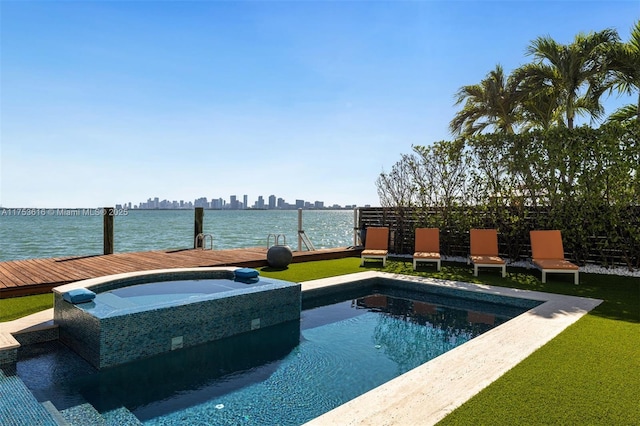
(18, 406)
(8, 356)
(135, 335)
(38, 336)
(77, 329)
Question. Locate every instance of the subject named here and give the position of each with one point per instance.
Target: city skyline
(233, 203)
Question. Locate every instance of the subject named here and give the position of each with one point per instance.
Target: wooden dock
(36, 276)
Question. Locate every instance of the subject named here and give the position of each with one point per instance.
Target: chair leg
(438, 265)
(475, 270)
(544, 277)
(362, 261)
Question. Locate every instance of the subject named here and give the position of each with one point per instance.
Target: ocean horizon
(62, 232)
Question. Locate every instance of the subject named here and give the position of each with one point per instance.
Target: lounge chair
(484, 251)
(427, 247)
(547, 254)
(376, 245)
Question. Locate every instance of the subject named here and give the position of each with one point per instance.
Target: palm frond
(577, 70)
(624, 63)
(624, 114)
(493, 103)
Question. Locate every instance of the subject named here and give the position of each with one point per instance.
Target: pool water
(286, 374)
(190, 287)
(167, 291)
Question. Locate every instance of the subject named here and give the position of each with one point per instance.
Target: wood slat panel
(33, 276)
(18, 272)
(46, 270)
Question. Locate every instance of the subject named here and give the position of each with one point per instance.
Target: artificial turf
(19, 307)
(587, 375)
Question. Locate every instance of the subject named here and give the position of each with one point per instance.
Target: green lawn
(18, 307)
(588, 375)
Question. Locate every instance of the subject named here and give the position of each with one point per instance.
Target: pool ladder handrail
(203, 237)
(304, 238)
(276, 239)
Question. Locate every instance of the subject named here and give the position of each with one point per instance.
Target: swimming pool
(423, 395)
(285, 374)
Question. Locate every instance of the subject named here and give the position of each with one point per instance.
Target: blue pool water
(285, 374)
(179, 288)
(165, 291)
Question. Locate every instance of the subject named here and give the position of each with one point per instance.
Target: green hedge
(585, 182)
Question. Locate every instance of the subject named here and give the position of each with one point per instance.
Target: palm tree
(541, 107)
(494, 103)
(625, 67)
(575, 72)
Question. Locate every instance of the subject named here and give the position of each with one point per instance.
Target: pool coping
(426, 394)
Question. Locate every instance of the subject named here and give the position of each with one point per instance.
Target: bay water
(40, 233)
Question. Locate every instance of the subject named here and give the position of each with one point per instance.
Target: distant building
(217, 204)
(201, 202)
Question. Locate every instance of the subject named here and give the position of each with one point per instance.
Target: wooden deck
(35, 276)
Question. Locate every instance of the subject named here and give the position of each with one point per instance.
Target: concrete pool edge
(426, 394)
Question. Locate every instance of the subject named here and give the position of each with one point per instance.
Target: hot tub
(138, 315)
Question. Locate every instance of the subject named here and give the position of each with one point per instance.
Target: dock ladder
(276, 240)
(302, 237)
(305, 240)
(202, 238)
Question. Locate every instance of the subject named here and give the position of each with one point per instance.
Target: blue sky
(106, 102)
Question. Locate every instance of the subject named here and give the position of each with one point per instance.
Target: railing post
(300, 229)
(356, 227)
(198, 228)
(107, 229)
